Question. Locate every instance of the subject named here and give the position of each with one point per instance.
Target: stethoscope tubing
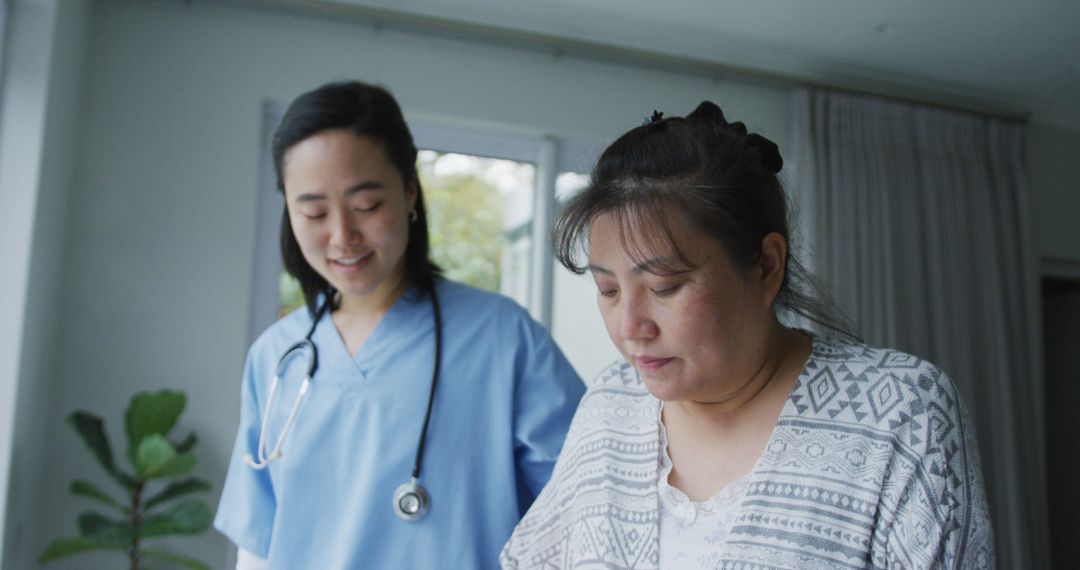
(437, 312)
(307, 346)
(313, 363)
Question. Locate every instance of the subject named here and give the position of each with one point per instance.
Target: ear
(773, 264)
(411, 194)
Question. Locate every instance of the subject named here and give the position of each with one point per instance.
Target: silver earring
(413, 216)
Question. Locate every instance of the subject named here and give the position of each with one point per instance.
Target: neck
(770, 379)
(373, 304)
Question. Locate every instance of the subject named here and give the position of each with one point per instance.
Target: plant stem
(134, 553)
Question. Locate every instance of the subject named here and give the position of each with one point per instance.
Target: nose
(635, 321)
(344, 231)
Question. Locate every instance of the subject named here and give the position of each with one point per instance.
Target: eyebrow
(367, 185)
(642, 267)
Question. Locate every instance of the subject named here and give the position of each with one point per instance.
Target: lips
(351, 260)
(350, 264)
(648, 363)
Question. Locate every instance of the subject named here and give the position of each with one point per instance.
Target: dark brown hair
(720, 177)
(371, 112)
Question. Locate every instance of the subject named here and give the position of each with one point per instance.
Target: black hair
(722, 178)
(371, 112)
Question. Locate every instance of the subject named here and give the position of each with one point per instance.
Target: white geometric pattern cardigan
(871, 465)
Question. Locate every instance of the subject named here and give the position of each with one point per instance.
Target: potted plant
(156, 502)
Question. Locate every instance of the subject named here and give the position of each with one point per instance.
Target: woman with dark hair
(399, 420)
(727, 438)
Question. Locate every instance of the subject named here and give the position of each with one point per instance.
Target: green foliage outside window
(465, 216)
(290, 296)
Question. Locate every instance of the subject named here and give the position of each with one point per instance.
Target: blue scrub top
(504, 401)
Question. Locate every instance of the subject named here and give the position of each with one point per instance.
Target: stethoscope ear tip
(250, 460)
(259, 465)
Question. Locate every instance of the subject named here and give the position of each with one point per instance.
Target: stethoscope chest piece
(411, 501)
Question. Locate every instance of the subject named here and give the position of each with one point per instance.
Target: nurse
(362, 477)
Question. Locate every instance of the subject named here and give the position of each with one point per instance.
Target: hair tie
(656, 119)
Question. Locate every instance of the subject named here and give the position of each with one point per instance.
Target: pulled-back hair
(720, 177)
(371, 112)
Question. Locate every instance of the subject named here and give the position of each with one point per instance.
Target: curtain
(916, 219)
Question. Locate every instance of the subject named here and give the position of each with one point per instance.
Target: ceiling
(1007, 56)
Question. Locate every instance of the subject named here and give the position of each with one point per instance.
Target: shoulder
(873, 387)
(911, 409)
(865, 358)
(881, 388)
(283, 332)
(615, 424)
(483, 316)
(607, 468)
(459, 300)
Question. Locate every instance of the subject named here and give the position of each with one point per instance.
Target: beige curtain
(916, 218)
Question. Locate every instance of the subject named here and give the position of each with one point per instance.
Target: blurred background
(139, 218)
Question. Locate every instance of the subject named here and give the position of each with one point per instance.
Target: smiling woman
(349, 210)
(350, 475)
(480, 209)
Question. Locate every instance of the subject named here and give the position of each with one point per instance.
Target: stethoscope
(411, 500)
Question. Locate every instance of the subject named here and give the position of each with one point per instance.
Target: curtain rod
(380, 19)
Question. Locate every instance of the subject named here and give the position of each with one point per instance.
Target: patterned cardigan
(871, 465)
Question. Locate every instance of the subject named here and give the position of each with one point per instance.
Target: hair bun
(708, 112)
(768, 151)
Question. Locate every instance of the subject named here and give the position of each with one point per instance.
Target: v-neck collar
(328, 338)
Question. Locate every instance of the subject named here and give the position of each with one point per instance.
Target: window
(480, 212)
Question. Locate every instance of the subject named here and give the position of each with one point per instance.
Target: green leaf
(178, 465)
(67, 546)
(92, 431)
(190, 516)
(152, 413)
(177, 489)
(187, 444)
(99, 529)
(156, 457)
(154, 450)
(175, 559)
(86, 489)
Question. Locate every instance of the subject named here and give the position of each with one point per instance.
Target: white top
(691, 532)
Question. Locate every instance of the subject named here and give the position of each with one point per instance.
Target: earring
(413, 216)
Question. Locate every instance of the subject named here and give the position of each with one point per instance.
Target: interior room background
(139, 226)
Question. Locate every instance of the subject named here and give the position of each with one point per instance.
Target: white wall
(156, 268)
(38, 122)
